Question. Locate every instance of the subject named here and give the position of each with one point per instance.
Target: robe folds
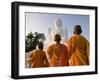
(58, 55)
(39, 59)
(78, 48)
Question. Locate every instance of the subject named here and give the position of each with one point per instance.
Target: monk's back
(59, 55)
(80, 42)
(38, 58)
(78, 50)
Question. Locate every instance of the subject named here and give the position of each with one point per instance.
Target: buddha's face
(58, 23)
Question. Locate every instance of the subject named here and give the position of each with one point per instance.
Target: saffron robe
(78, 48)
(58, 55)
(38, 59)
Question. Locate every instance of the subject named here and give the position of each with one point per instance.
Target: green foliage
(32, 39)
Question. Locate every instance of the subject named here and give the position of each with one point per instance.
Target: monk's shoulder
(78, 37)
(36, 52)
(82, 37)
(64, 46)
(51, 46)
(72, 38)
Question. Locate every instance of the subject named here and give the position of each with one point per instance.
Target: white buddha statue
(58, 29)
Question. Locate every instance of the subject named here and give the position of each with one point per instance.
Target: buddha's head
(58, 22)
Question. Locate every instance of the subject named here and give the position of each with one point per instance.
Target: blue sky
(40, 22)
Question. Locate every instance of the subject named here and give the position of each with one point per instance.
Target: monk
(38, 58)
(58, 53)
(78, 47)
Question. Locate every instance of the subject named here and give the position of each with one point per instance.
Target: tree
(32, 39)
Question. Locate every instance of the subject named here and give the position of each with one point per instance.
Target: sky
(40, 22)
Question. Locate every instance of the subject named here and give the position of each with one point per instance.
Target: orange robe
(58, 55)
(78, 48)
(39, 59)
